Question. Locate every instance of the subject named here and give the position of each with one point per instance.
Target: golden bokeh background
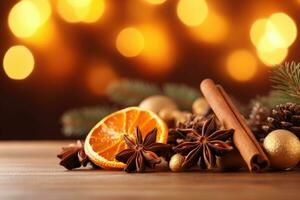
(59, 54)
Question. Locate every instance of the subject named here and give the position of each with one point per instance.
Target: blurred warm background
(61, 54)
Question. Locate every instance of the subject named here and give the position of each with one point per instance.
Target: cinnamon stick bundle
(230, 117)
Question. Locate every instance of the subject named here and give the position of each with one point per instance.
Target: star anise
(202, 148)
(196, 122)
(142, 153)
(73, 156)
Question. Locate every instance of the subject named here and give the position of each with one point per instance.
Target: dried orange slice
(105, 140)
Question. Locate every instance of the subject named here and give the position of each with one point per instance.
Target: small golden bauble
(157, 103)
(167, 114)
(200, 106)
(282, 148)
(181, 117)
(175, 163)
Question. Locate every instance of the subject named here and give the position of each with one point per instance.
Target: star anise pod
(142, 153)
(202, 148)
(176, 136)
(194, 121)
(73, 156)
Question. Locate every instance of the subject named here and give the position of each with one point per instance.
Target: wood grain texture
(30, 170)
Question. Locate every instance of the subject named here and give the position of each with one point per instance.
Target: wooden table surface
(30, 170)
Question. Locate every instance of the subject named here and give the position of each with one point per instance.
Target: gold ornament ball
(282, 148)
(175, 163)
(167, 114)
(200, 106)
(157, 103)
(181, 117)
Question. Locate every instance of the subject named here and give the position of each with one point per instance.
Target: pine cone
(284, 116)
(257, 119)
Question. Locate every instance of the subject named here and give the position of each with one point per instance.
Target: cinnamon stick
(230, 117)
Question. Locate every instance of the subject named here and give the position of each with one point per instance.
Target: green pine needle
(78, 122)
(182, 94)
(269, 101)
(286, 80)
(131, 92)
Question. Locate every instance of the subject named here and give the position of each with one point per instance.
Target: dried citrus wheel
(105, 140)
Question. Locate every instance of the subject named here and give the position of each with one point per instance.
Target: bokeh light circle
(214, 29)
(258, 30)
(43, 7)
(157, 57)
(130, 42)
(274, 57)
(192, 12)
(155, 2)
(24, 19)
(18, 62)
(279, 29)
(272, 37)
(285, 28)
(87, 11)
(98, 77)
(241, 65)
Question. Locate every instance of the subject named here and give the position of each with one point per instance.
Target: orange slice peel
(106, 139)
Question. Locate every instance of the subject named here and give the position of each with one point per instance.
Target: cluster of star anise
(202, 142)
(176, 136)
(199, 140)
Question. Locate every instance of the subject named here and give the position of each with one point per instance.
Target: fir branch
(78, 122)
(286, 80)
(131, 92)
(269, 101)
(182, 94)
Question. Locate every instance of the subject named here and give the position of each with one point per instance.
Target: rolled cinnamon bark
(230, 117)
